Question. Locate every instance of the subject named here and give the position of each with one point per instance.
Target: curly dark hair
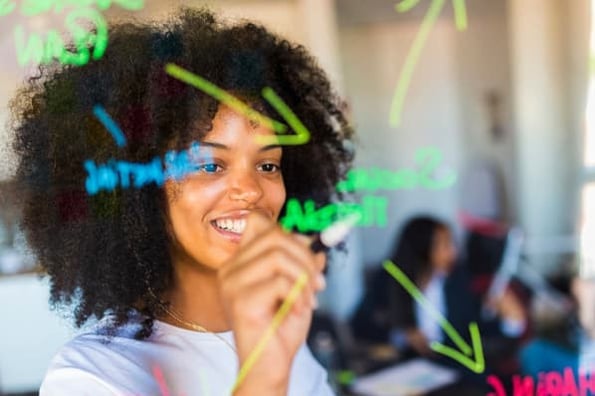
(105, 253)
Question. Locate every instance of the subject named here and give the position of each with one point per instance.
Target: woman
(186, 277)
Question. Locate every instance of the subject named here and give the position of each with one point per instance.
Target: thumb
(256, 225)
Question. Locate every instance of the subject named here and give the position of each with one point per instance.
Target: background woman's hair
(103, 252)
(413, 248)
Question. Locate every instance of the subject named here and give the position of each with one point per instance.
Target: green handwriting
(37, 7)
(372, 212)
(428, 160)
(301, 136)
(6, 7)
(35, 50)
(460, 11)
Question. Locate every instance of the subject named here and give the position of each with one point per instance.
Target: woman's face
(444, 252)
(207, 209)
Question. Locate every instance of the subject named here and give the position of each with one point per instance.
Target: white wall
(372, 57)
(483, 61)
(31, 335)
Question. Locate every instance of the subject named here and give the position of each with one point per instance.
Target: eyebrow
(224, 147)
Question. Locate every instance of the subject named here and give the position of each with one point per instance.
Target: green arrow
(460, 11)
(476, 365)
(302, 135)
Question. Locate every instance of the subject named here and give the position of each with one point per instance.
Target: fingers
(256, 224)
(268, 251)
(262, 293)
(275, 238)
(266, 267)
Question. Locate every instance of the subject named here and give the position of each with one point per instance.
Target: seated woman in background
(185, 267)
(426, 253)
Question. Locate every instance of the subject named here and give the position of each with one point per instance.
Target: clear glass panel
(587, 266)
(590, 112)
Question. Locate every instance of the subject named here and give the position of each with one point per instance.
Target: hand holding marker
(329, 238)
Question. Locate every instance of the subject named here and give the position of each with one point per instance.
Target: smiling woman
(185, 275)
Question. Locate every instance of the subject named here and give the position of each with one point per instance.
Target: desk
(448, 381)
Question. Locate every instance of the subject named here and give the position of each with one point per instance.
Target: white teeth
(234, 225)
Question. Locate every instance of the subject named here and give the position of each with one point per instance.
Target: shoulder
(75, 381)
(93, 362)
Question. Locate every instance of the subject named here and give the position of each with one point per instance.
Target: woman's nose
(245, 186)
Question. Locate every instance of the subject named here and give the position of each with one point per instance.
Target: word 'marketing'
(371, 211)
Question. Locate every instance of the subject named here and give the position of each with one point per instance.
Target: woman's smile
(231, 225)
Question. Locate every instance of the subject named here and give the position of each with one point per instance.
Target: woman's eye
(269, 168)
(210, 168)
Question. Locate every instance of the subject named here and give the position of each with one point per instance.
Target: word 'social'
(428, 159)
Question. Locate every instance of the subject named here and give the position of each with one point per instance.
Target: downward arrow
(302, 135)
(477, 364)
(469, 356)
(460, 11)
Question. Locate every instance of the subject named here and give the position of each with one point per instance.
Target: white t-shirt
(171, 362)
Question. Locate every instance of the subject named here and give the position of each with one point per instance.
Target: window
(590, 111)
(587, 268)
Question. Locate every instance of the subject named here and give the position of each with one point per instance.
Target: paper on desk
(414, 377)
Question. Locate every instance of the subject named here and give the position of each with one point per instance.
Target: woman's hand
(253, 285)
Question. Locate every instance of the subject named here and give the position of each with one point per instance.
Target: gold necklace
(196, 327)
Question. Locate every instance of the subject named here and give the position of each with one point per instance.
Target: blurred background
(508, 102)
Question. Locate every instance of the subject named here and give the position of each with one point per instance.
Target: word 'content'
(428, 160)
(116, 173)
(371, 211)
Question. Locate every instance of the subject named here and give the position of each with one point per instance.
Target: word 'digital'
(116, 173)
